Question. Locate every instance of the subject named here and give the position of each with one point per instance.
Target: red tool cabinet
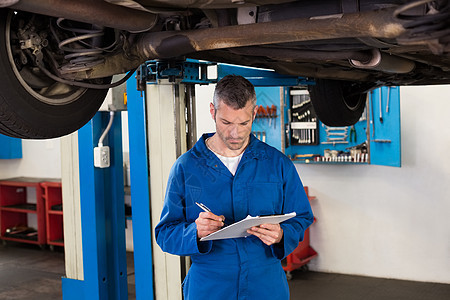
(14, 211)
(16, 208)
(53, 213)
(303, 253)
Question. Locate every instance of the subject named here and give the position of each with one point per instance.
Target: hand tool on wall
(373, 118)
(352, 134)
(265, 113)
(258, 113)
(308, 119)
(382, 141)
(273, 112)
(381, 111)
(269, 115)
(261, 112)
(388, 97)
(336, 135)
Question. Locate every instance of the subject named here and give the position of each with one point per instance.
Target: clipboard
(239, 229)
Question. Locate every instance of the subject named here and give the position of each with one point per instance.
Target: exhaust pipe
(170, 44)
(6, 3)
(385, 63)
(378, 24)
(96, 12)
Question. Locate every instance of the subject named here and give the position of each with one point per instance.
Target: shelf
(21, 240)
(58, 242)
(55, 212)
(21, 181)
(57, 207)
(14, 211)
(28, 234)
(20, 208)
(312, 161)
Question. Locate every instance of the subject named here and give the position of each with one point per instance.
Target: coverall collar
(253, 150)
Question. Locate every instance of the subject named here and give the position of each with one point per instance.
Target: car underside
(60, 55)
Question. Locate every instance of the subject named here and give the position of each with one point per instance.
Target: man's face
(233, 126)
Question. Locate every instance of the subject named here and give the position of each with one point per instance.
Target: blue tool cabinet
(307, 140)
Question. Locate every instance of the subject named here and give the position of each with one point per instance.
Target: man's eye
(226, 123)
(244, 124)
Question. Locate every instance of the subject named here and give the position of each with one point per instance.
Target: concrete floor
(325, 286)
(29, 273)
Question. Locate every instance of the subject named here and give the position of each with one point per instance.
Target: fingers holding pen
(211, 217)
(207, 223)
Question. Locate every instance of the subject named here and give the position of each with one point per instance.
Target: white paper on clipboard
(239, 229)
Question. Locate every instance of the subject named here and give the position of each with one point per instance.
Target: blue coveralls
(266, 182)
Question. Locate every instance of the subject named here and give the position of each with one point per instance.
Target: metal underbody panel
(333, 39)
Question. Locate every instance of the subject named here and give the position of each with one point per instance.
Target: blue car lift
(102, 217)
(102, 190)
(195, 72)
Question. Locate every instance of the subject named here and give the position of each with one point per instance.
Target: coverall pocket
(264, 198)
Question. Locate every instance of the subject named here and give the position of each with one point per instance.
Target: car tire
(26, 112)
(337, 103)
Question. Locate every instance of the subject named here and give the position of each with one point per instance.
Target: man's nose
(234, 131)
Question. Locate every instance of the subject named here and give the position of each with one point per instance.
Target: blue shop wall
(10, 148)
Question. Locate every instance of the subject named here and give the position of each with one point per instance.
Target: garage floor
(29, 273)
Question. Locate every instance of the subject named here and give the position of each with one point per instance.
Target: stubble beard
(230, 145)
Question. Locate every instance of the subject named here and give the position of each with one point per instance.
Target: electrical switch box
(101, 157)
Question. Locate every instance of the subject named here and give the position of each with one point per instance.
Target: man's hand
(269, 234)
(208, 223)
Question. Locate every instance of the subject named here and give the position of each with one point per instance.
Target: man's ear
(212, 111)
(255, 110)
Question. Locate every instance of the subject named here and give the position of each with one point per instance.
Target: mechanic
(234, 175)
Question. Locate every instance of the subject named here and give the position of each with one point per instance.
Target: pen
(203, 206)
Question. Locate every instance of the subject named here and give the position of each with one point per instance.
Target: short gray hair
(235, 91)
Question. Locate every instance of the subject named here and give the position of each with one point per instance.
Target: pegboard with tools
(374, 139)
(266, 126)
(303, 119)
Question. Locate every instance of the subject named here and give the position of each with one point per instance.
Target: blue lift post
(102, 217)
(140, 192)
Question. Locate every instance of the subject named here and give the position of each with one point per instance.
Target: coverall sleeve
(174, 234)
(295, 199)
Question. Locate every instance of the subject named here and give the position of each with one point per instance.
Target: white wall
(204, 96)
(384, 221)
(41, 158)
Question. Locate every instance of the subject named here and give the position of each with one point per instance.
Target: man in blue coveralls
(234, 175)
